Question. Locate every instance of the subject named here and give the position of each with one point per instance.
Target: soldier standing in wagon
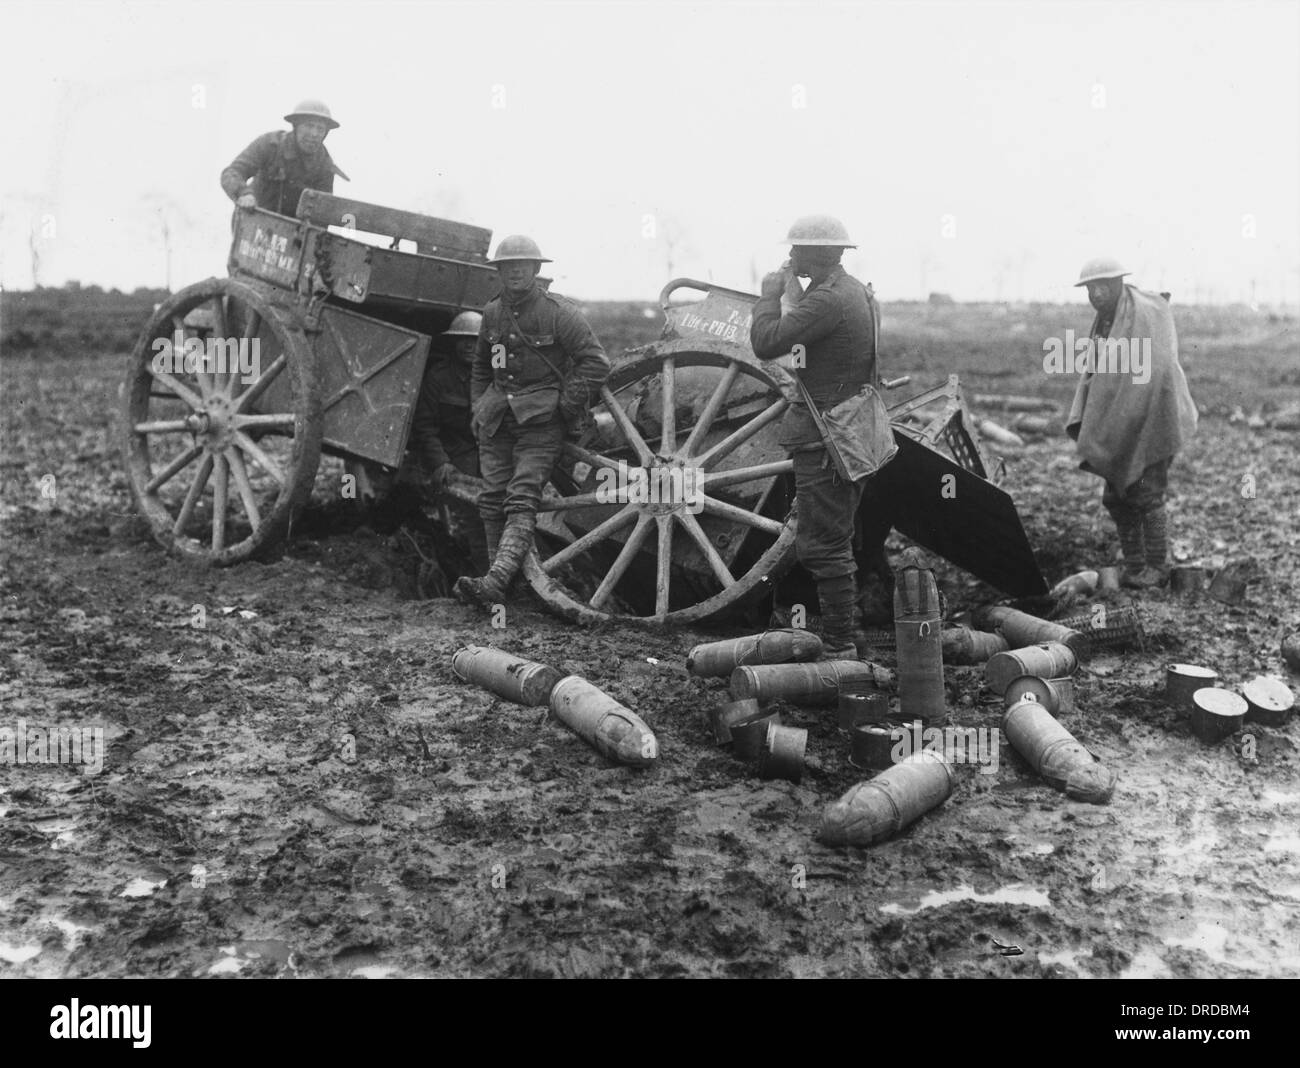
(537, 368)
(282, 163)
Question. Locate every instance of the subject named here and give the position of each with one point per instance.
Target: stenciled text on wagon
(215, 355)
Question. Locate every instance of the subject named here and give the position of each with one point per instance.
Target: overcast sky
(978, 149)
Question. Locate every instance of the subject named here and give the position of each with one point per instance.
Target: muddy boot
(1129, 524)
(1155, 530)
(839, 602)
(516, 540)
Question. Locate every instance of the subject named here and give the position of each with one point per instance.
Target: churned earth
(295, 783)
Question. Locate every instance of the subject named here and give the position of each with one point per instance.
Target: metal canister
(781, 754)
(1183, 680)
(1049, 660)
(720, 659)
(871, 746)
(919, 639)
(881, 807)
(1216, 714)
(523, 681)
(1187, 580)
(1055, 754)
(812, 684)
(721, 717)
(869, 707)
(747, 735)
(1268, 701)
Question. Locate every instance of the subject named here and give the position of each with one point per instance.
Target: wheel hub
(215, 425)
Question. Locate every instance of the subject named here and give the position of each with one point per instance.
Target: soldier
(537, 367)
(282, 164)
(1130, 417)
(441, 437)
(833, 324)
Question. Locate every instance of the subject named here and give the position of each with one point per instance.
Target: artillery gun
(675, 506)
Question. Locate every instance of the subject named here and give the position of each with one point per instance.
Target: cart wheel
(678, 452)
(221, 442)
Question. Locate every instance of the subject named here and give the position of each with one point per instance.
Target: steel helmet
(1100, 267)
(819, 230)
(518, 247)
(466, 324)
(312, 109)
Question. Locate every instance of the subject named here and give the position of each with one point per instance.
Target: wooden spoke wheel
(672, 510)
(222, 427)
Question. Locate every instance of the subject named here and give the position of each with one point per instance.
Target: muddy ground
(299, 786)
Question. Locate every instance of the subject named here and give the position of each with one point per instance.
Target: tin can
(1187, 580)
(747, 734)
(781, 754)
(1268, 701)
(871, 746)
(1216, 713)
(853, 708)
(722, 716)
(1183, 680)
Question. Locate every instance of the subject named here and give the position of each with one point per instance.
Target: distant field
(1233, 356)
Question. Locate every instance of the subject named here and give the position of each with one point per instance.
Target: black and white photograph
(651, 490)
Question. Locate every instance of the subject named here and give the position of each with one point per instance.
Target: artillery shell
(871, 746)
(1021, 629)
(1107, 578)
(721, 717)
(1216, 713)
(919, 641)
(1187, 580)
(1183, 680)
(1078, 585)
(615, 732)
(813, 684)
(854, 708)
(781, 754)
(747, 735)
(1269, 701)
(1048, 661)
(1055, 754)
(962, 645)
(523, 681)
(720, 659)
(881, 807)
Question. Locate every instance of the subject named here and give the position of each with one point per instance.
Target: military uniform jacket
(440, 427)
(533, 358)
(280, 172)
(835, 322)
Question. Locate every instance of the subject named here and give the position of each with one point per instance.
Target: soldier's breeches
(517, 462)
(827, 506)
